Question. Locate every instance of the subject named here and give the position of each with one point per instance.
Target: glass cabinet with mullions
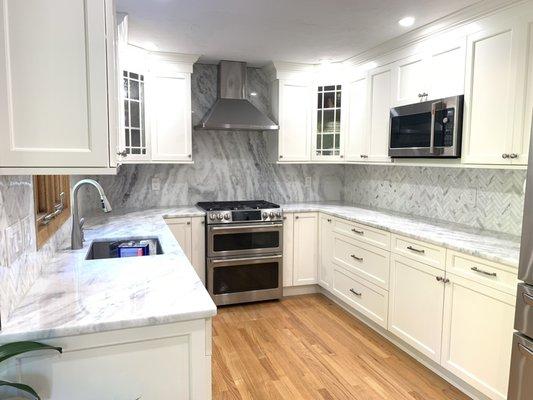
(134, 115)
(328, 122)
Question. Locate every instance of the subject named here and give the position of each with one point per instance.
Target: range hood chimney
(232, 111)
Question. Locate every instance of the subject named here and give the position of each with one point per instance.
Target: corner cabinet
(57, 113)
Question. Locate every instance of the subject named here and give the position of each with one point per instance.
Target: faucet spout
(77, 223)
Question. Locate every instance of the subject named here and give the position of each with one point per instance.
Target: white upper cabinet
(356, 139)
(411, 80)
(293, 99)
(379, 104)
(495, 126)
(56, 64)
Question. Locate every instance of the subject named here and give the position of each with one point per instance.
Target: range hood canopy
(232, 111)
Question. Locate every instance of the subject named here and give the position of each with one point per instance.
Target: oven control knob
(272, 214)
(278, 214)
(212, 216)
(227, 216)
(219, 216)
(445, 120)
(265, 215)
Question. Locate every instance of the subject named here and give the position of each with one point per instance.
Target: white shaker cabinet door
(357, 140)
(294, 116)
(54, 84)
(410, 80)
(490, 93)
(181, 228)
(477, 335)
(446, 69)
(305, 248)
(379, 103)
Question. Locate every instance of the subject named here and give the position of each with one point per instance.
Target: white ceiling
(259, 31)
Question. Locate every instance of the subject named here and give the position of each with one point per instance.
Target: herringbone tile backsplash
(481, 198)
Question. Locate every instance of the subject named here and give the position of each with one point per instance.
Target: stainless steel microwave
(427, 129)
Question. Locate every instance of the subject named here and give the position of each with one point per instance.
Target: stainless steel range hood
(232, 111)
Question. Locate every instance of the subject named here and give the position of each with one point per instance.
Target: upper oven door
(244, 239)
(428, 129)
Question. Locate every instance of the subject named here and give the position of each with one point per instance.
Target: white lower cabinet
(288, 249)
(325, 265)
(190, 234)
(415, 305)
(126, 364)
(305, 248)
(477, 335)
(365, 297)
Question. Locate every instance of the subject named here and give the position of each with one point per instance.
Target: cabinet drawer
(419, 251)
(487, 273)
(369, 262)
(363, 296)
(363, 233)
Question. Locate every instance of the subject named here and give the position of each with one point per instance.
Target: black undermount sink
(101, 249)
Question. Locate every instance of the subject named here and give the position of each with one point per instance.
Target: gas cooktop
(236, 205)
(232, 212)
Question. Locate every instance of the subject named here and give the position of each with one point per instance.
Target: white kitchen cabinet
(416, 299)
(190, 234)
(292, 107)
(410, 80)
(288, 249)
(156, 123)
(325, 262)
(305, 248)
(477, 335)
(126, 364)
(494, 127)
(356, 133)
(379, 104)
(57, 85)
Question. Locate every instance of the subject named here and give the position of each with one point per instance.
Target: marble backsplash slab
(491, 199)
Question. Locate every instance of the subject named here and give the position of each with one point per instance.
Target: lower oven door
(244, 239)
(520, 380)
(240, 280)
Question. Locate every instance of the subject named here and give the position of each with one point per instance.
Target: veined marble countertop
(493, 246)
(77, 296)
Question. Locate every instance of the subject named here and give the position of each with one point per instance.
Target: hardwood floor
(307, 347)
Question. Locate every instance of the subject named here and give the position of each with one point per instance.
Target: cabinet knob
(296, 217)
(188, 222)
(329, 220)
(513, 155)
(280, 156)
(190, 156)
(342, 156)
(122, 153)
(505, 155)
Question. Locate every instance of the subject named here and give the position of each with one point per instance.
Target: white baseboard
(422, 359)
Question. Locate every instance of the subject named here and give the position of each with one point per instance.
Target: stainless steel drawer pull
(476, 269)
(420, 251)
(359, 294)
(523, 349)
(356, 258)
(358, 232)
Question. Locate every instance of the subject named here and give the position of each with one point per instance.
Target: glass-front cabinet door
(328, 128)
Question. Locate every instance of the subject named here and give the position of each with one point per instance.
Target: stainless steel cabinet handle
(420, 251)
(439, 278)
(358, 232)
(528, 299)
(513, 155)
(122, 153)
(505, 155)
(476, 269)
(359, 294)
(356, 258)
(445, 280)
(329, 219)
(523, 349)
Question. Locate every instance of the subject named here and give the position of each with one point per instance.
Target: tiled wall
(18, 270)
(490, 199)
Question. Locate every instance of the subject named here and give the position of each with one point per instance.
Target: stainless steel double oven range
(244, 251)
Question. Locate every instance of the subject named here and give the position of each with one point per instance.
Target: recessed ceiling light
(407, 21)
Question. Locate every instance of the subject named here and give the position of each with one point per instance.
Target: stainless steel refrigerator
(521, 375)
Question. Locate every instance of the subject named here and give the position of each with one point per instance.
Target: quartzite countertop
(77, 296)
(493, 246)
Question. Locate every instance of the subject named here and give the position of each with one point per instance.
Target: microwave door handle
(434, 107)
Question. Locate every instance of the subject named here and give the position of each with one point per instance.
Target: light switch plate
(14, 242)
(28, 242)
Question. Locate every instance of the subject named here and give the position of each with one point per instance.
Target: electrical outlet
(308, 181)
(14, 242)
(156, 184)
(27, 234)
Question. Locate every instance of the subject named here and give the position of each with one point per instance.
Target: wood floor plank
(307, 347)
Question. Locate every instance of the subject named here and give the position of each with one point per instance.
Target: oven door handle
(233, 260)
(434, 107)
(244, 227)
